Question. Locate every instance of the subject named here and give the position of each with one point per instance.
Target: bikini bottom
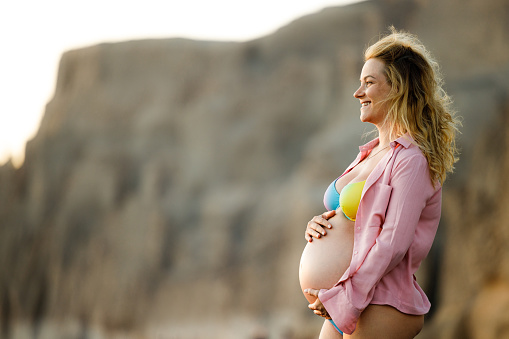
(332, 322)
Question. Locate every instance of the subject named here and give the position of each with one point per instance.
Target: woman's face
(373, 90)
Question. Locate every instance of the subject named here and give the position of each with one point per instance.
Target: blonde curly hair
(417, 103)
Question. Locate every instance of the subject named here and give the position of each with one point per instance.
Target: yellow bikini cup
(350, 198)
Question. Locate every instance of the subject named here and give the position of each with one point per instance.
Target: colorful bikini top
(348, 200)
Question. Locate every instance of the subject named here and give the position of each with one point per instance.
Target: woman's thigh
(380, 321)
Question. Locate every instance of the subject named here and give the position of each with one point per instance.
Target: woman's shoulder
(412, 150)
(410, 159)
(410, 155)
(408, 148)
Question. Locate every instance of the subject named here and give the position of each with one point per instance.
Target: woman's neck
(383, 138)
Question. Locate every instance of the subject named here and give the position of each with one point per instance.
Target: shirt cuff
(342, 312)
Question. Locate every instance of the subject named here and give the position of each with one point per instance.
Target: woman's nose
(359, 93)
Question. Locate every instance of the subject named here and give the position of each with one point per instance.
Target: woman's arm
(411, 190)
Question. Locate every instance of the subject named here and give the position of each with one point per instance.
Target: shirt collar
(369, 146)
(405, 140)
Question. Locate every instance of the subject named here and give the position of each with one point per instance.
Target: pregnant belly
(324, 260)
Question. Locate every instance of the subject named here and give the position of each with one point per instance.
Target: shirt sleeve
(411, 188)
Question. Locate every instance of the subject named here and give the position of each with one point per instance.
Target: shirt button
(355, 252)
(358, 228)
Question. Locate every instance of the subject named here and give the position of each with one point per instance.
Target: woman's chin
(365, 116)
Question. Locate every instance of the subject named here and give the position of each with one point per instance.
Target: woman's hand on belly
(316, 226)
(317, 307)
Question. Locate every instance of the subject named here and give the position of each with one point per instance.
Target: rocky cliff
(167, 190)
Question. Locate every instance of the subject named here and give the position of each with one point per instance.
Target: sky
(35, 33)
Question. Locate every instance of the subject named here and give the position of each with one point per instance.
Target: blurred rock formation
(167, 190)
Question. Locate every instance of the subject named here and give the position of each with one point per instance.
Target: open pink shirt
(395, 227)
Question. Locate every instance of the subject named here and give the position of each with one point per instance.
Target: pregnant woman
(357, 270)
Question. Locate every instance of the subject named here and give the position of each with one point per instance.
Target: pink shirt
(395, 227)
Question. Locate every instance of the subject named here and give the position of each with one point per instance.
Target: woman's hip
(383, 321)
